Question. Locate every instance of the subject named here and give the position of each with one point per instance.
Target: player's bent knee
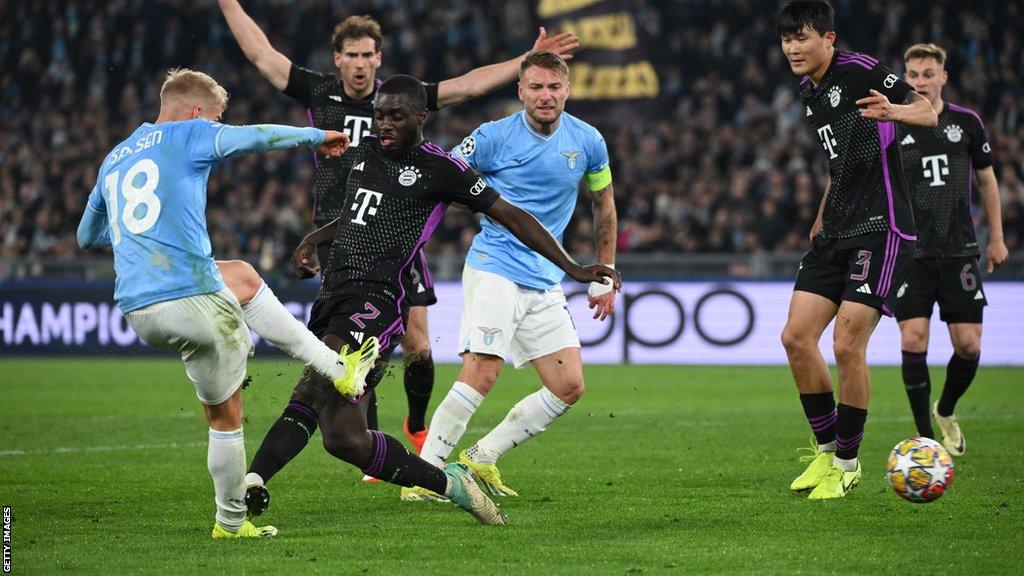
(480, 371)
(241, 278)
(352, 448)
(793, 341)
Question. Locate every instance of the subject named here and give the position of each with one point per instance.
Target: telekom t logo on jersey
(357, 127)
(935, 167)
(362, 205)
(828, 140)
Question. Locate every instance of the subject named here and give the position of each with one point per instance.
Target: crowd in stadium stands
(725, 164)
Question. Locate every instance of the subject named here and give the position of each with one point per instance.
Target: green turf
(657, 470)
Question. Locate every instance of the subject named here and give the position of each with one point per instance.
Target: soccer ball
(919, 469)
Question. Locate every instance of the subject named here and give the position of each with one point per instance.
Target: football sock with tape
(959, 375)
(918, 385)
(286, 438)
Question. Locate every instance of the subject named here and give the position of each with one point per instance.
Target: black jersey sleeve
(980, 150)
(460, 184)
(431, 89)
(301, 82)
(881, 78)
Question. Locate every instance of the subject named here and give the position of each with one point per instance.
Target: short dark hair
(815, 14)
(354, 28)
(544, 59)
(403, 85)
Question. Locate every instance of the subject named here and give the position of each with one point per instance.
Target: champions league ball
(920, 469)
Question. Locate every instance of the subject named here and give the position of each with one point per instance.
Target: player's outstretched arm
(273, 65)
(916, 110)
(234, 140)
(486, 79)
(529, 231)
(600, 296)
(302, 258)
(989, 192)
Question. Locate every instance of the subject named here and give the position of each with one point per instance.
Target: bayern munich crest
(409, 175)
(954, 132)
(834, 96)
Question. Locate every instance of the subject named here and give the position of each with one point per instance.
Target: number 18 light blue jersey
(151, 195)
(539, 173)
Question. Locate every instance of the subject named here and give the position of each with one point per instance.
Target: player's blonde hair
(544, 59)
(928, 50)
(193, 87)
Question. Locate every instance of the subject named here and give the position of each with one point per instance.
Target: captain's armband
(599, 180)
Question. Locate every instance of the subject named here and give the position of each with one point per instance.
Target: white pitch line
(119, 448)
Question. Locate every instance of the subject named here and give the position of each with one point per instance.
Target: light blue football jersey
(538, 173)
(150, 204)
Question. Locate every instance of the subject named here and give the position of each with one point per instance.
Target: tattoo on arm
(605, 224)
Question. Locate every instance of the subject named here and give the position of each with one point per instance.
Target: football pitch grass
(658, 470)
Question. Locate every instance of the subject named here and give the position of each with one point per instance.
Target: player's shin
(820, 409)
(226, 462)
(919, 387)
(849, 433)
(528, 418)
(419, 384)
(449, 422)
(285, 439)
(391, 462)
(266, 316)
(960, 373)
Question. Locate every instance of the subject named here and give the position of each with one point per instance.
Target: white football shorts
(210, 333)
(512, 322)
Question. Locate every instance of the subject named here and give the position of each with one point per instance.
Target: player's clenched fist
(335, 143)
(301, 260)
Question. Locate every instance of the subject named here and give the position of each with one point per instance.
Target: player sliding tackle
(514, 305)
(149, 204)
(397, 192)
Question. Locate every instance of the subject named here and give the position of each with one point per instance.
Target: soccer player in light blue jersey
(515, 309)
(149, 204)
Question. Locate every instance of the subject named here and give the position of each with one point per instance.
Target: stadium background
(716, 176)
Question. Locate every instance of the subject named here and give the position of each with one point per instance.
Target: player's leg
(809, 315)
(961, 306)
(876, 264)
(290, 434)
(419, 375)
(914, 334)
(546, 338)
(266, 316)
(214, 344)
(491, 310)
(914, 303)
(346, 437)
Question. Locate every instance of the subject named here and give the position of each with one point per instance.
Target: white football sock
(254, 479)
(529, 417)
(449, 423)
(847, 465)
(827, 447)
(273, 322)
(226, 461)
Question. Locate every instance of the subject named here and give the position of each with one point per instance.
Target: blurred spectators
(726, 166)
